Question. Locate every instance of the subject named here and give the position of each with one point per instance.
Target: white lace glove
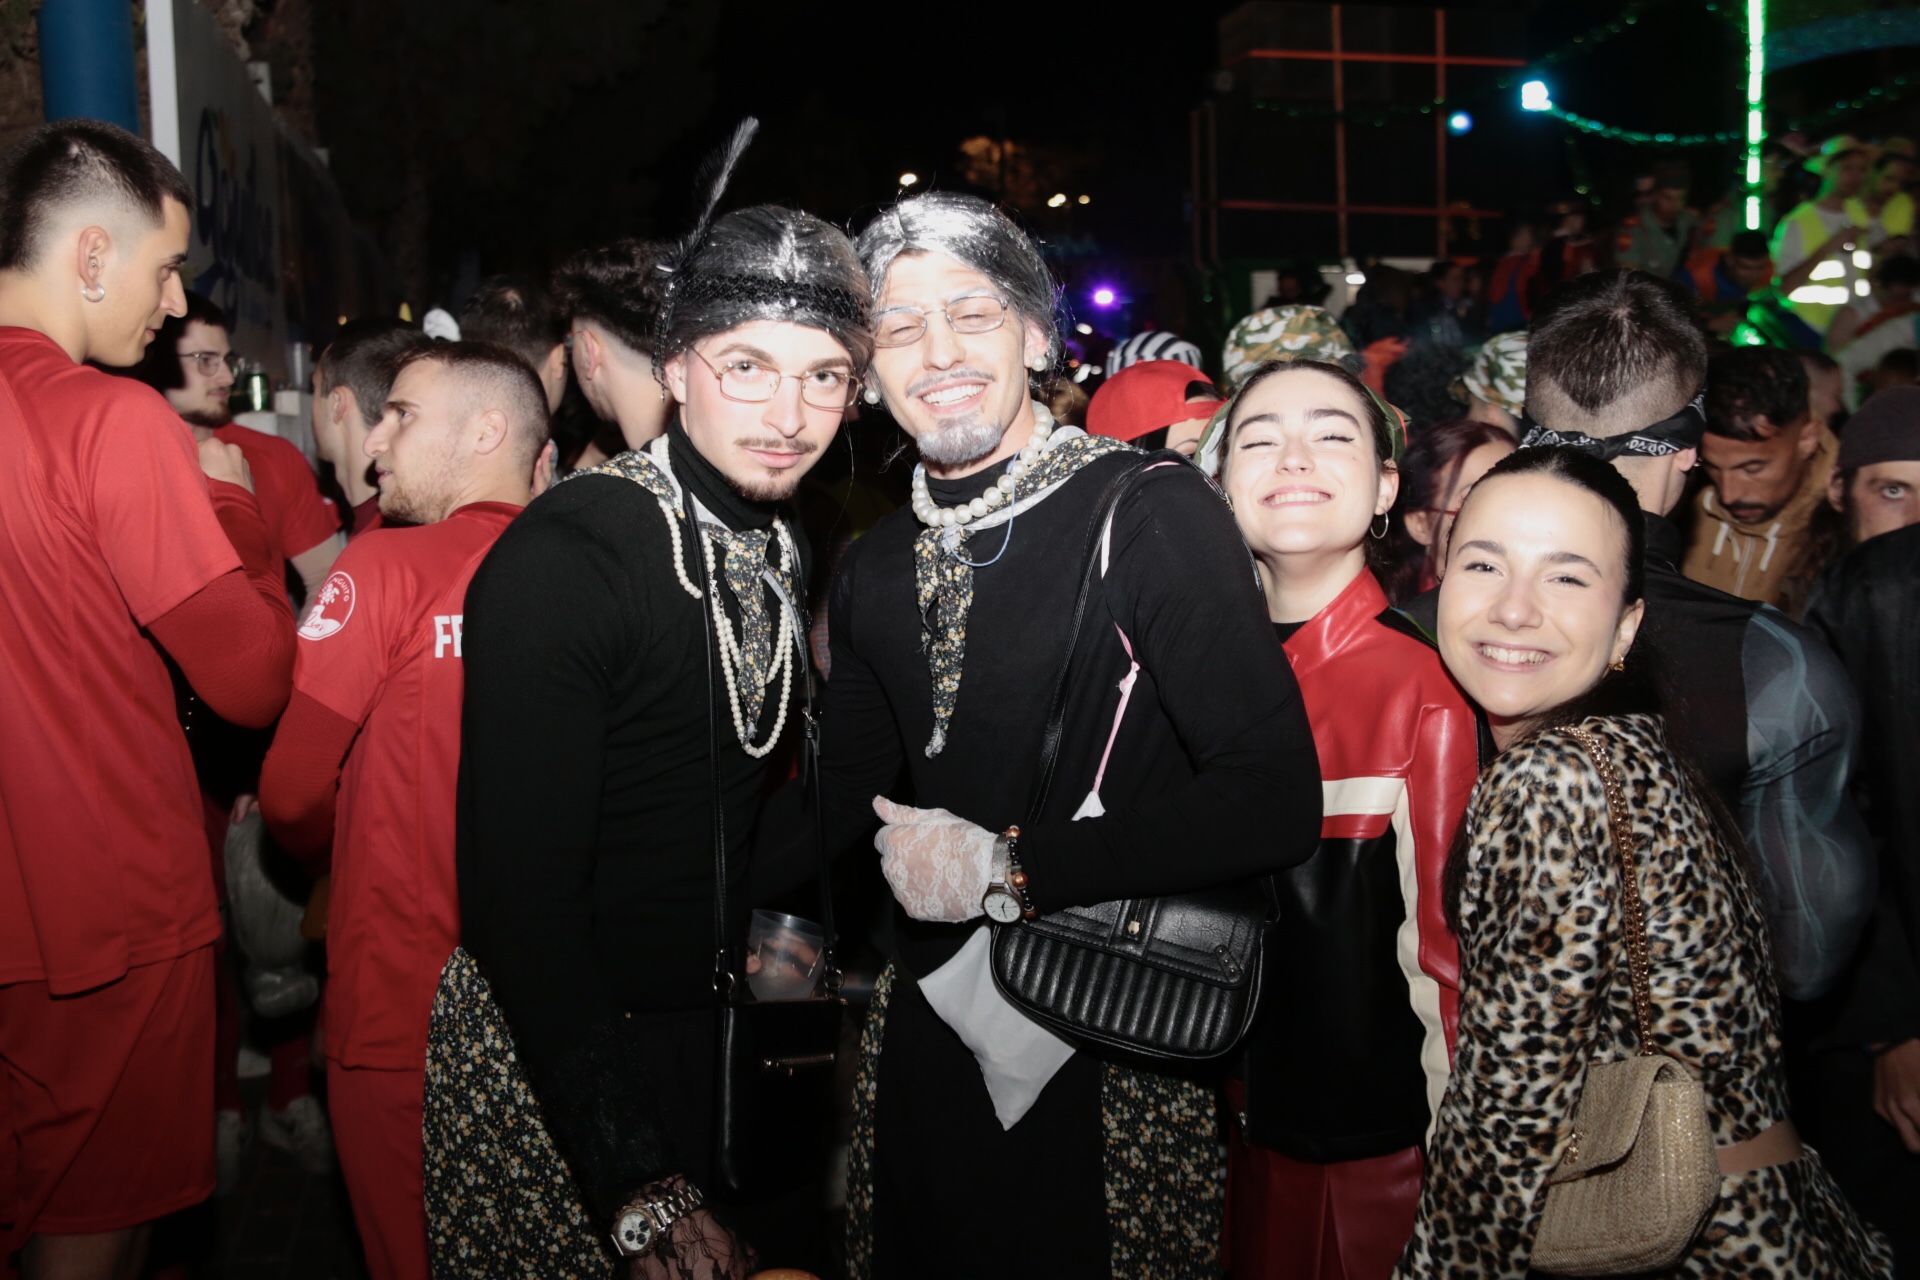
(936, 863)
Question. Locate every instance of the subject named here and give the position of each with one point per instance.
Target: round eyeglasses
(211, 362)
(750, 382)
(903, 326)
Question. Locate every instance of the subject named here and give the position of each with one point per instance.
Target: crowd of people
(1538, 655)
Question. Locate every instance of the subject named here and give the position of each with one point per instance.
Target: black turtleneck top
(585, 831)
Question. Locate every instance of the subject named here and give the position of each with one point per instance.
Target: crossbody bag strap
(1633, 918)
(1057, 704)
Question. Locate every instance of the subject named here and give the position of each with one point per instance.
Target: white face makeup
(1531, 610)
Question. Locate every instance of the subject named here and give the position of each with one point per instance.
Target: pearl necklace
(729, 646)
(728, 642)
(997, 495)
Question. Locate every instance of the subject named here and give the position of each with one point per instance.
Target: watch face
(1001, 907)
(636, 1232)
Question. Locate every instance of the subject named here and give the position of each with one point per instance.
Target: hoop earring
(94, 292)
(1381, 532)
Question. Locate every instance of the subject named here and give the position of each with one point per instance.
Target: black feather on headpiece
(715, 174)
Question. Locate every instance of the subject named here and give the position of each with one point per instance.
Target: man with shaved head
(120, 542)
(365, 760)
(1617, 368)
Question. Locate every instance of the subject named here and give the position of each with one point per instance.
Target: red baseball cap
(1149, 396)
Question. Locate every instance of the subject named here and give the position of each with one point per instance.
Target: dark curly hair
(1745, 384)
(616, 287)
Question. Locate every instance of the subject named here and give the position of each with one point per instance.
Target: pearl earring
(1038, 364)
(871, 395)
(94, 292)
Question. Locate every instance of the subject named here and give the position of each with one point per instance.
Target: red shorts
(376, 1130)
(106, 1101)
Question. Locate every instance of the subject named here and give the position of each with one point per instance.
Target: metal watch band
(664, 1207)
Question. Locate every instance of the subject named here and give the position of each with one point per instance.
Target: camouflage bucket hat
(1282, 333)
(1498, 375)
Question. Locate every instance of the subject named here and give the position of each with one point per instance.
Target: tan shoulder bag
(1639, 1177)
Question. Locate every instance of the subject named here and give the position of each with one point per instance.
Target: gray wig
(761, 263)
(976, 234)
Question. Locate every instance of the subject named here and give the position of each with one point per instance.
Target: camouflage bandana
(943, 573)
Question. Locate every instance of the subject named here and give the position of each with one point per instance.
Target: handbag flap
(1612, 1110)
(1212, 935)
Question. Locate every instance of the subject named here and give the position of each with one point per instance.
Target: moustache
(929, 381)
(801, 447)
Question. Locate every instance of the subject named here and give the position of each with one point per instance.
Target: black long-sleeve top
(1868, 606)
(1213, 776)
(585, 832)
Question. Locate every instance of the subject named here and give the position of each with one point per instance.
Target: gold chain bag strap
(1639, 1176)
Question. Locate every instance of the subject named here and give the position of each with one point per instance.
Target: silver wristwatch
(1006, 900)
(644, 1222)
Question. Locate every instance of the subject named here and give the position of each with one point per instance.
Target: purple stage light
(1103, 297)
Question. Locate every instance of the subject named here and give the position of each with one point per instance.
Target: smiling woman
(1542, 596)
(1539, 608)
(1310, 464)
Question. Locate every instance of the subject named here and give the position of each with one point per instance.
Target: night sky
(500, 134)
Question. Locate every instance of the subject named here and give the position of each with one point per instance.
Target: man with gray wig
(986, 1144)
(585, 848)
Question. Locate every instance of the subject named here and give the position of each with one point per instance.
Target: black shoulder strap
(1057, 707)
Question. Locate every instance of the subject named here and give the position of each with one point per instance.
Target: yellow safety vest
(1813, 233)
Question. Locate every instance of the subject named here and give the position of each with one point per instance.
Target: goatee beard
(959, 443)
(766, 492)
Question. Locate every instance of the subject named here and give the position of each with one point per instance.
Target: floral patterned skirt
(1163, 1164)
(501, 1201)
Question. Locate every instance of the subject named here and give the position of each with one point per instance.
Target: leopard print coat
(1544, 991)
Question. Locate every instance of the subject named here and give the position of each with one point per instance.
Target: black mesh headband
(766, 297)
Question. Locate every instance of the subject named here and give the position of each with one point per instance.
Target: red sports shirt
(288, 491)
(106, 524)
(381, 648)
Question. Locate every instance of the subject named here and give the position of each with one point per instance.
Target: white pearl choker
(997, 495)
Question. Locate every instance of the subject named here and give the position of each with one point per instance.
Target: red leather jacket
(1351, 1051)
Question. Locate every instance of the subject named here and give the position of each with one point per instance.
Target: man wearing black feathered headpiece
(632, 649)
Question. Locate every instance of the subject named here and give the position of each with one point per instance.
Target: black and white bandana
(1664, 438)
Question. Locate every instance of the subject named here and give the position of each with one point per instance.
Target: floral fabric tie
(943, 575)
(742, 569)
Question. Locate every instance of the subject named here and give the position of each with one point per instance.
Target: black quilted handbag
(1174, 977)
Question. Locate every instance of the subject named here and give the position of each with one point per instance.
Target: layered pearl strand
(998, 495)
(728, 642)
(729, 645)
